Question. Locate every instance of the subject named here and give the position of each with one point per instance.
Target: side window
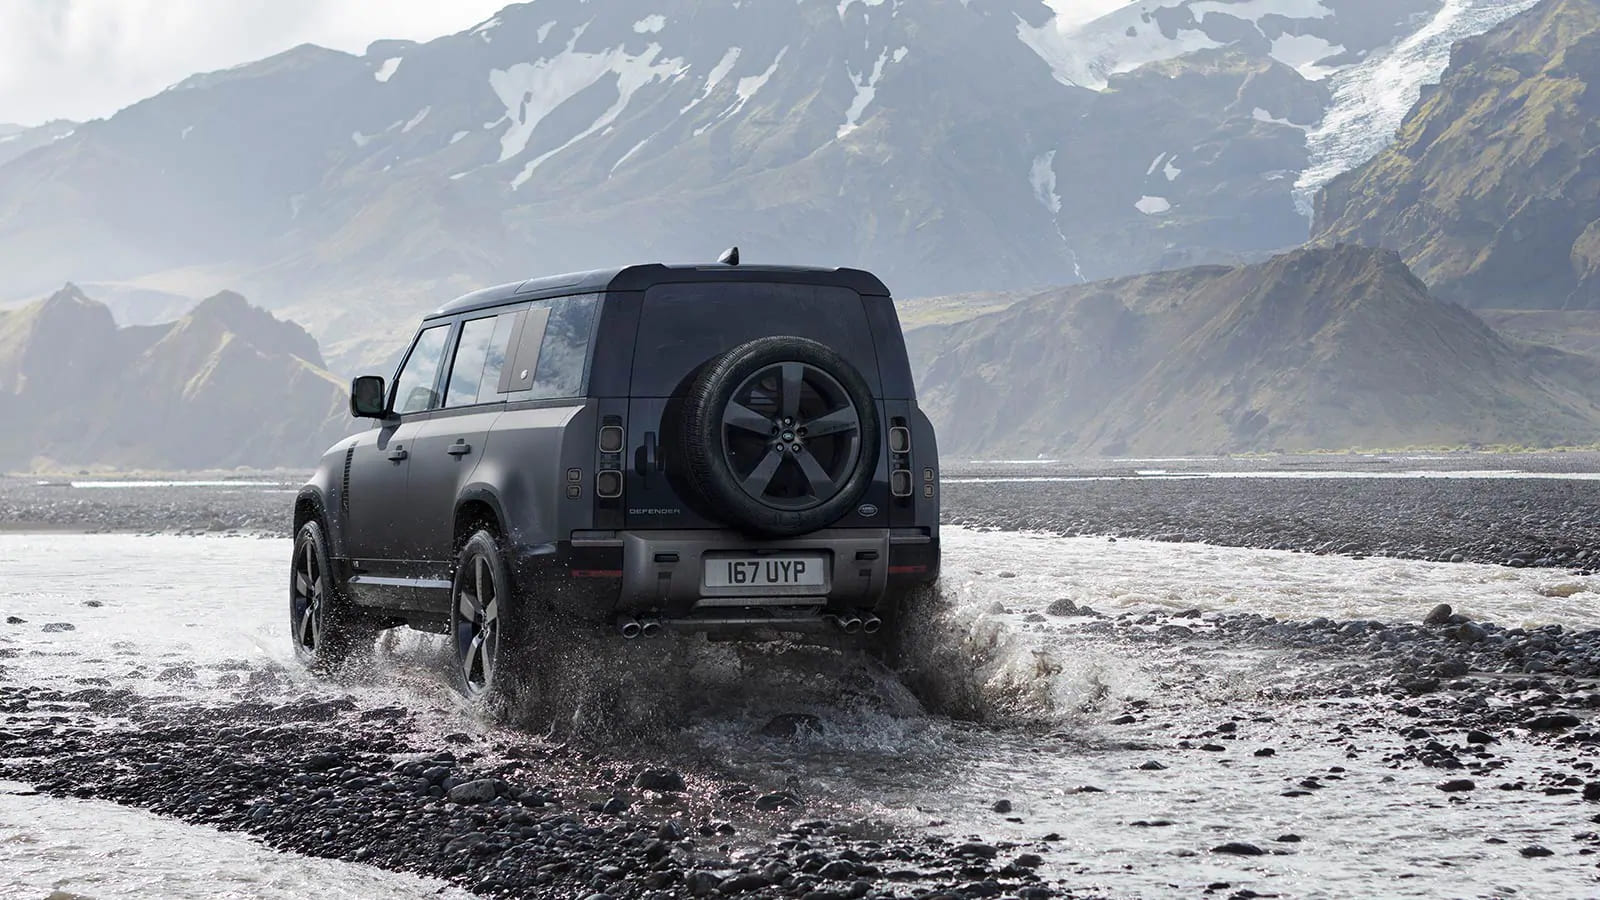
(414, 386)
(480, 358)
(552, 360)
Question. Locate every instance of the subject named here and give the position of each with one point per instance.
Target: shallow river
(193, 616)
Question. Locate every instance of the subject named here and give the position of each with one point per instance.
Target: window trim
(446, 357)
(459, 326)
(598, 298)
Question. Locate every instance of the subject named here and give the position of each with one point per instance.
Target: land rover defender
(734, 450)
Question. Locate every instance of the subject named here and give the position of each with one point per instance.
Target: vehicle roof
(641, 277)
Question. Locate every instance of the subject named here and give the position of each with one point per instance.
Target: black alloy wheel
(791, 435)
(324, 626)
(779, 437)
(481, 611)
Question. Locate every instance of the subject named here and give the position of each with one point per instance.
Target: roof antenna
(729, 257)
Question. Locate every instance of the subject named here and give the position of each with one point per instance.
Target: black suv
(735, 450)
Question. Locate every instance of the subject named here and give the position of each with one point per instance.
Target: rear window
(684, 325)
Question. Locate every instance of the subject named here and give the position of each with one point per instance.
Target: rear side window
(551, 361)
(479, 361)
(682, 326)
(414, 386)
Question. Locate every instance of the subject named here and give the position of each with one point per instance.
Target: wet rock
(1265, 751)
(1535, 851)
(54, 627)
(1439, 615)
(700, 883)
(616, 806)
(1456, 785)
(976, 849)
(1062, 607)
(1287, 838)
(1474, 736)
(1591, 791)
(1001, 806)
(1238, 848)
(791, 725)
(739, 884)
(659, 780)
(1468, 633)
(93, 604)
(480, 791)
(1151, 766)
(15, 620)
(1552, 722)
(777, 800)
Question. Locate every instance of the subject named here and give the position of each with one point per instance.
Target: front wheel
(485, 623)
(327, 629)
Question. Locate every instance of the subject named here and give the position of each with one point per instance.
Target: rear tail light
(900, 482)
(611, 439)
(899, 439)
(608, 484)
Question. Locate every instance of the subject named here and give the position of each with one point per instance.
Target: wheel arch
(478, 506)
(308, 507)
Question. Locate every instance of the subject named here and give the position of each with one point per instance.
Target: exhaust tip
(871, 624)
(851, 625)
(630, 628)
(649, 628)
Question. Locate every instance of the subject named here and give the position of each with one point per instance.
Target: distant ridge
(226, 385)
(1324, 348)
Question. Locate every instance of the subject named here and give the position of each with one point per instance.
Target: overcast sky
(84, 59)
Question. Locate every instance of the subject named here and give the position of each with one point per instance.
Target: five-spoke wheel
(325, 627)
(481, 608)
(791, 435)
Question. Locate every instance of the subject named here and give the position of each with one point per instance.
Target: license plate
(764, 571)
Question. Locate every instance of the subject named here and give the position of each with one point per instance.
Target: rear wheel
(326, 627)
(487, 632)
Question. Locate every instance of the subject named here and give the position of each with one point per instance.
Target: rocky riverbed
(1075, 716)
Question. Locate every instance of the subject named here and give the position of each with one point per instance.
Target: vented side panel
(344, 486)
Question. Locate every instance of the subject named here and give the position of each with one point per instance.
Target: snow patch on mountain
(1153, 206)
(1304, 53)
(866, 88)
(844, 5)
(416, 120)
(650, 24)
(633, 73)
(387, 69)
(1042, 176)
(1088, 54)
(714, 77)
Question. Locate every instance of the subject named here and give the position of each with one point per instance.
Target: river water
(189, 616)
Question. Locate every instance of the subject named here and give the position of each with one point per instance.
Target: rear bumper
(662, 574)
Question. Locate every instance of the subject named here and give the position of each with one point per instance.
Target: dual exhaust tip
(631, 628)
(849, 624)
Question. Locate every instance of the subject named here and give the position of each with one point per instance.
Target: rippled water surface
(193, 617)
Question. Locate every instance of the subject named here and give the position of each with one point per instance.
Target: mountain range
(950, 145)
(226, 385)
(1165, 163)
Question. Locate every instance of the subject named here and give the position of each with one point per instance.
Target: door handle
(459, 448)
(398, 454)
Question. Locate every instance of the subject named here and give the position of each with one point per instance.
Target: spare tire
(779, 437)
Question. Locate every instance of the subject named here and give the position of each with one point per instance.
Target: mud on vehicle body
(735, 450)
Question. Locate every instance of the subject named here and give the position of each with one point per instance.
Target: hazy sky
(83, 59)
